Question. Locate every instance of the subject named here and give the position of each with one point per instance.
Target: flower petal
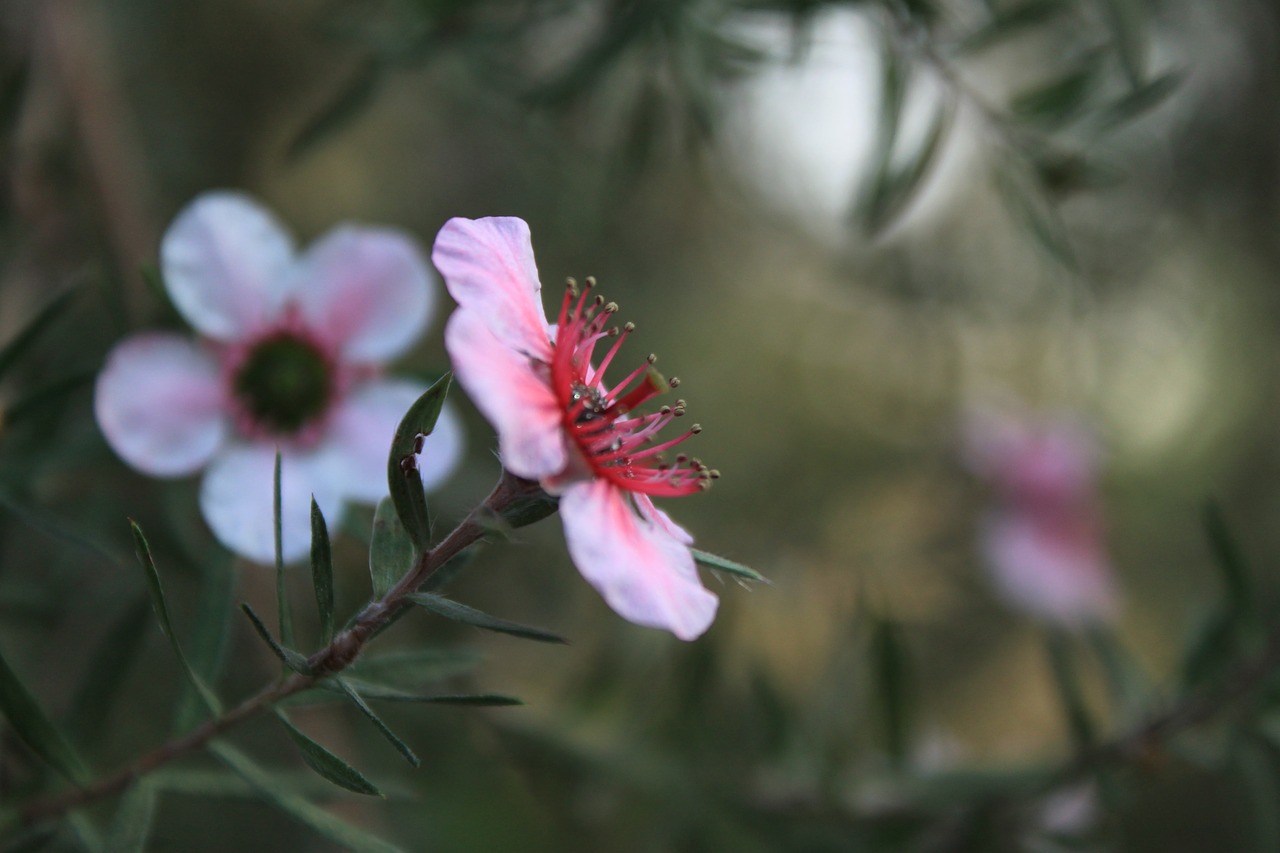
(508, 389)
(489, 268)
(226, 264)
(646, 574)
(237, 499)
(365, 291)
(161, 405)
(362, 428)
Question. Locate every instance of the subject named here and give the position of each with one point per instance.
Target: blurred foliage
(873, 695)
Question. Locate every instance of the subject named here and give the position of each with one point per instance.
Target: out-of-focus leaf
(322, 571)
(529, 508)
(1255, 759)
(325, 763)
(36, 401)
(892, 678)
(383, 693)
(162, 616)
(1128, 27)
(723, 564)
(1067, 681)
(1140, 100)
(28, 840)
(284, 616)
(30, 723)
(56, 529)
(11, 352)
(327, 825)
(225, 784)
(417, 666)
(1009, 22)
(1063, 173)
(470, 616)
(383, 728)
(348, 101)
(403, 480)
(1213, 645)
(105, 673)
(1127, 684)
(295, 661)
(1030, 208)
(1229, 561)
(134, 815)
(1055, 103)
(391, 552)
(210, 635)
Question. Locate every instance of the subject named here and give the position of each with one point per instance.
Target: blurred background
(842, 225)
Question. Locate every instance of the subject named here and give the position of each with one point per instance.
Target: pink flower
(289, 357)
(1043, 538)
(560, 423)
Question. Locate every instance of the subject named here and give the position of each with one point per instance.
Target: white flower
(289, 358)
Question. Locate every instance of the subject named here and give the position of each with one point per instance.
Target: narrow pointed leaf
(470, 616)
(1010, 22)
(327, 825)
(417, 666)
(383, 728)
(295, 661)
(28, 840)
(403, 480)
(34, 727)
(723, 564)
(322, 571)
(105, 673)
(1229, 561)
(391, 551)
(11, 352)
(285, 618)
(325, 763)
(1067, 681)
(162, 616)
(890, 666)
(134, 816)
(35, 401)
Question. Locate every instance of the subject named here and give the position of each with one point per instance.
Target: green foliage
(134, 815)
(285, 618)
(21, 342)
(403, 479)
(325, 763)
(105, 672)
(723, 564)
(33, 726)
(295, 661)
(322, 571)
(470, 616)
(371, 716)
(391, 551)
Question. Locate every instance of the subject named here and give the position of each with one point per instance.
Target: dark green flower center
(284, 383)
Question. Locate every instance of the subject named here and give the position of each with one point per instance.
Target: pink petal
(160, 403)
(237, 497)
(646, 574)
(361, 431)
(1054, 569)
(365, 291)
(512, 393)
(489, 268)
(226, 263)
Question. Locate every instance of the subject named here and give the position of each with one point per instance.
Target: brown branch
(333, 658)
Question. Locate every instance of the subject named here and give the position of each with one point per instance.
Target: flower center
(284, 383)
(618, 445)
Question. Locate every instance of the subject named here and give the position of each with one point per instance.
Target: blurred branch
(332, 659)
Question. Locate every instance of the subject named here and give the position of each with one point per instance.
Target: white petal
(361, 432)
(489, 268)
(646, 574)
(237, 497)
(508, 389)
(226, 263)
(368, 292)
(160, 403)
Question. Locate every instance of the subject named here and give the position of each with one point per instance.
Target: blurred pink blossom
(560, 423)
(289, 357)
(1043, 539)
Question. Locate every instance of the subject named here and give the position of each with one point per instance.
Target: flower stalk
(339, 654)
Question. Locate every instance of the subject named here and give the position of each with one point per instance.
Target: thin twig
(333, 658)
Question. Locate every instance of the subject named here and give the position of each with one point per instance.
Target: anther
(611, 308)
(613, 332)
(674, 382)
(682, 458)
(678, 411)
(599, 300)
(665, 410)
(629, 327)
(652, 358)
(591, 281)
(714, 473)
(695, 429)
(681, 403)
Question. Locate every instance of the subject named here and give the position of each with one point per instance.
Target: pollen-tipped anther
(674, 382)
(628, 327)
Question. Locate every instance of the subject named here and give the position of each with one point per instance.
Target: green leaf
(1128, 26)
(210, 636)
(384, 693)
(28, 840)
(470, 616)
(224, 784)
(417, 666)
(162, 616)
(446, 574)
(894, 186)
(350, 99)
(35, 401)
(1067, 681)
(1027, 204)
(1055, 103)
(56, 529)
(285, 618)
(403, 480)
(327, 825)
(723, 564)
(1229, 561)
(34, 727)
(322, 571)
(295, 661)
(11, 352)
(104, 676)
(391, 551)
(133, 820)
(890, 666)
(1213, 645)
(531, 506)
(1010, 22)
(1141, 100)
(325, 763)
(383, 728)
